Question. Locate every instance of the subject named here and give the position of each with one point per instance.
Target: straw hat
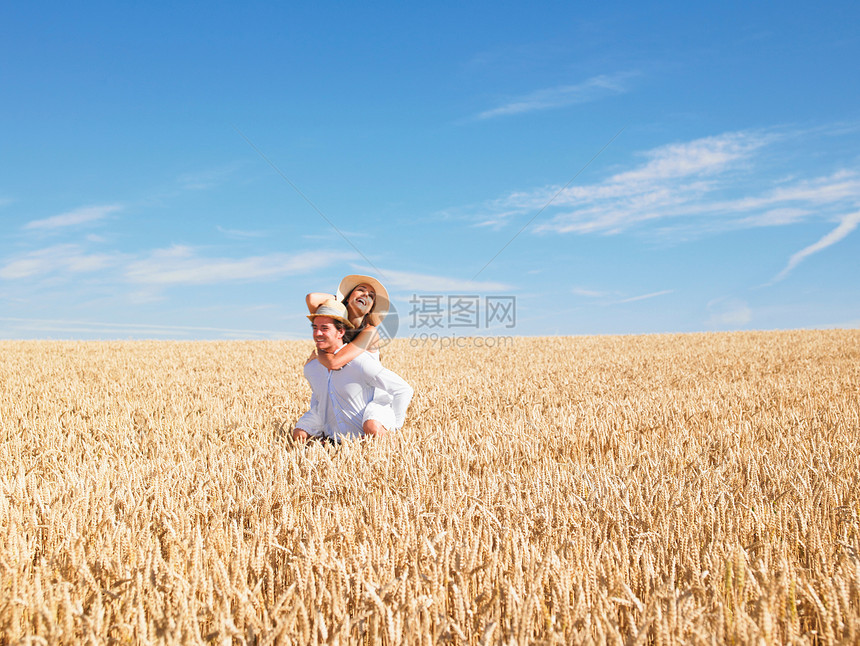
(333, 309)
(381, 303)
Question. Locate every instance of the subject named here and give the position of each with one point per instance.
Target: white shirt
(339, 397)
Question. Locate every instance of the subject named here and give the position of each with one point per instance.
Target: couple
(352, 395)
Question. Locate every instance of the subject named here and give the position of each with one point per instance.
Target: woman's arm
(400, 392)
(365, 339)
(315, 299)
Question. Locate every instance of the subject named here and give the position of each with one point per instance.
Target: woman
(366, 303)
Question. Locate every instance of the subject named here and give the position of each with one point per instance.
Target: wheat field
(659, 489)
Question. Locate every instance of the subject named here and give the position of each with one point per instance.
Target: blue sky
(190, 171)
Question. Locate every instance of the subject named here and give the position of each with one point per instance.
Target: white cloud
(841, 185)
(560, 96)
(588, 293)
(846, 226)
(69, 258)
(176, 265)
(145, 296)
(704, 186)
(109, 330)
(180, 265)
(440, 284)
(704, 156)
(677, 180)
(775, 217)
(83, 215)
(728, 313)
(645, 296)
(238, 233)
(206, 179)
(337, 235)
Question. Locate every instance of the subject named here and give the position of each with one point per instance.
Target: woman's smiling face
(361, 300)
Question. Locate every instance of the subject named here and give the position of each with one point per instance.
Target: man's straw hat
(333, 309)
(349, 283)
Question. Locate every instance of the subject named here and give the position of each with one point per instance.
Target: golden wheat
(628, 490)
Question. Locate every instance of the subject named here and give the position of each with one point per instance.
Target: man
(340, 398)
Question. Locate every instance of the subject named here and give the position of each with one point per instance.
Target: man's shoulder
(313, 367)
(365, 364)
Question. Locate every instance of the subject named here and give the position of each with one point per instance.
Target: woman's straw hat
(333, 309)
(381, 303)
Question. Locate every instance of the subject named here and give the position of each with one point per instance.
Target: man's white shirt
(339, 397)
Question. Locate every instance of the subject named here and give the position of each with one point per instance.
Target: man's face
(326, 335)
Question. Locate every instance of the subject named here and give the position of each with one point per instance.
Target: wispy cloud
(846, 226)
(239, 233)
(408, 281)
(729, 313)
(181, 265)
(337, 235)
(67, 258)
(561, 96)
(613, 297)
(676, 180)
(644, 297)
(673, 178)
(588, 293)
(704, 157)
(177, 265)
(83, 215)
(701, 187)
(111, 330)
(206, 179)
